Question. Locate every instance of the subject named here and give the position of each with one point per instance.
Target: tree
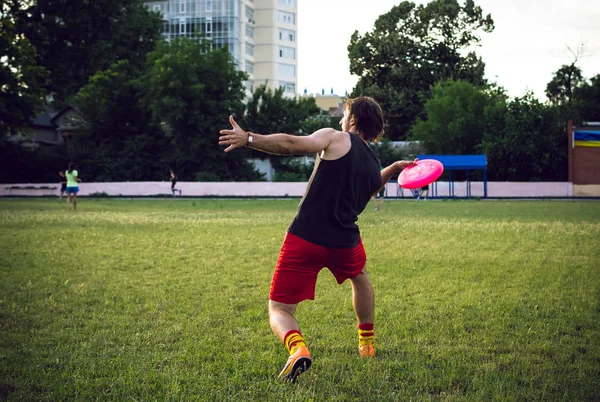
(410, 49)
(269, 111)
(563, 84)
(526, 141)
(119, 142)
(192, 90)
(21, 78)
(76, 38)
(587, 99)
(456, 118)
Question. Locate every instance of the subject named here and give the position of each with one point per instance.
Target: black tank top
(338, 191)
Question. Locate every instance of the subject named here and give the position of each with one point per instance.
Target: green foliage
(291, 169)
(76, 38)
(587, 100)
(206, 177)
(523, 139)
(410, 49)
(564, 82)
(142, 121)
(119, 142)
(22, 79)
(456, 118)
(193, 90)
(269, 111)
(388, 153)
(25, 165)
(167, 300)
(526, 141)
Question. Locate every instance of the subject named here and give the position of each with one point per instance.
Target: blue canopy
(459, 162)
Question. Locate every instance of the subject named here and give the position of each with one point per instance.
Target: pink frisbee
(423, 173)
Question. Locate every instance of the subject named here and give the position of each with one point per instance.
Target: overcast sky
(528, 44)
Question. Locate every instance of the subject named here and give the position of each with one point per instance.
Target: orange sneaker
(366, 351)
(297, 364)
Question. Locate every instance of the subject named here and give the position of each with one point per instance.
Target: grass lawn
(167, 300)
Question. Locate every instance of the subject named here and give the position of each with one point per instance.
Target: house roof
(43, 120)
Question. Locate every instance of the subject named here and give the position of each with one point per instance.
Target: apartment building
(261, 35)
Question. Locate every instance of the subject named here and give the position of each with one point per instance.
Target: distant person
(423, 190)
(378, 199)
(72, 185)
(63, 183)
(173, 182)
(324, 232)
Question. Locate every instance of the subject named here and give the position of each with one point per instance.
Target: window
(287, 70)
(287, 35)
(287, 18)
(182, 28)
(249, 31)
(157, 7)
(208, 5)
(288, 87)
(287, 52)
(289, 3)
(249, 67)
(250, 85)
(208, 26)
(249, 49)
(182, 6)
(249, 15)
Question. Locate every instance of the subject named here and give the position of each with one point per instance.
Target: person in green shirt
(72, 187)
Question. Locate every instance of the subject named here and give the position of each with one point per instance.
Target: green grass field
(167, 300)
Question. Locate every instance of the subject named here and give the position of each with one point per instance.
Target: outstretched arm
(281, 144)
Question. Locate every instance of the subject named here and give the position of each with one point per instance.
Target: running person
(72, 184)
(173, 182)
(324, 233)
(63, 183)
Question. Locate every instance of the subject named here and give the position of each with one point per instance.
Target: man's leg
(286, 328)
(363, 300)
(281, 318)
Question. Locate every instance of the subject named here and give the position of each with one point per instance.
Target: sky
(531, 40)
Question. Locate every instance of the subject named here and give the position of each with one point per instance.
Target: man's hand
(401, 165)
(235, 138)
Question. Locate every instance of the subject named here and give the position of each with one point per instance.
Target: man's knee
(275, 307)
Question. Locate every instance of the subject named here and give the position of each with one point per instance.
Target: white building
(260, 34)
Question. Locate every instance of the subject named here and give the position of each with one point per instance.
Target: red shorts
(300, 261)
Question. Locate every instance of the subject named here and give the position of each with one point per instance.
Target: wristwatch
(249, 140)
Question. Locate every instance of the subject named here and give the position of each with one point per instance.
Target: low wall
(272, 189)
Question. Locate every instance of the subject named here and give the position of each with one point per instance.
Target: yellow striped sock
(293, 340)
(366, 334)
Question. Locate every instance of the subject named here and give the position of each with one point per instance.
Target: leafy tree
(410, 49)
(21, 78)
(563, 84)
(76, 38)
(119, 142)
(191, 91)
(456, 118)
(526, 142)
(587, 99)
(269, 111)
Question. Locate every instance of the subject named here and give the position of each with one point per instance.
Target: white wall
(272, 189)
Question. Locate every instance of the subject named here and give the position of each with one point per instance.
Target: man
(324, 233)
